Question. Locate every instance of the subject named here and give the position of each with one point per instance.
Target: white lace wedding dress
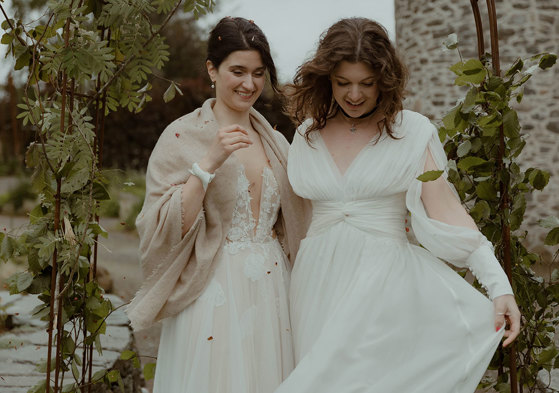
(371, 312)
(236, 337)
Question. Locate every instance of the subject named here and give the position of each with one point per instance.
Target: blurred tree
(133, 135)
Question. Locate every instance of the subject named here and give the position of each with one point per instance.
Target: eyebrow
(362, 80)
(244, 68)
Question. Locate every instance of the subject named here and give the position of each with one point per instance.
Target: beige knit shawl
(176, 269)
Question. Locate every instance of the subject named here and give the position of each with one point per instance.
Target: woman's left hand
(506, 310)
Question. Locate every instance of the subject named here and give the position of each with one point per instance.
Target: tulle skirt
(236, 337)
(373, 314)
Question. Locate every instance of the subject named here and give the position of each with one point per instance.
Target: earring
(213, 85)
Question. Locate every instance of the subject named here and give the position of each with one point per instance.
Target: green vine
(485, 168)
(84, 59)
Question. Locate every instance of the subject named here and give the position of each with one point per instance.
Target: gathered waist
(381, 217)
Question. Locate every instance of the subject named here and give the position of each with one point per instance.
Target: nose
(354, 93)
(248, 82)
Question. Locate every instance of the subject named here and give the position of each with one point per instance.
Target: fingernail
(497, 328)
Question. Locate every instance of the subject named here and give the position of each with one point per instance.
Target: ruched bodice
(379, 216)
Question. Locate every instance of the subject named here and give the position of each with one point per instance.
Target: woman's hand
(506, 310)
(227, 140)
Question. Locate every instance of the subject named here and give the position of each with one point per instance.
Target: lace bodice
(243, 224)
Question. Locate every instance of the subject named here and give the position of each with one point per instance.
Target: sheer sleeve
(459, 245)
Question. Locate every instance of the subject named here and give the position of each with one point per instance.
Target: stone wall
(526, 27)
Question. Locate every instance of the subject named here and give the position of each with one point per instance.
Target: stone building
(526, 27)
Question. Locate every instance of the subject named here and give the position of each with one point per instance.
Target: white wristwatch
(205, 177)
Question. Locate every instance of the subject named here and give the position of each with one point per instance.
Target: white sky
(293, 27)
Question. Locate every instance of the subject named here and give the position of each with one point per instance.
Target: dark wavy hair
(353, 40)
(233, 34)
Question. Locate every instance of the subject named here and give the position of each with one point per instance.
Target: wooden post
(503, 184)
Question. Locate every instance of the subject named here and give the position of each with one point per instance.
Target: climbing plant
(483, 140)
(83, 60)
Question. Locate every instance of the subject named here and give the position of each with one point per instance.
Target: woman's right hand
(227, 140)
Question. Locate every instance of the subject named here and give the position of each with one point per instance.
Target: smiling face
(239, 80)
(354, 87)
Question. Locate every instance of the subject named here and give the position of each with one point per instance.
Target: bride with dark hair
(370, 311)
(218, 220)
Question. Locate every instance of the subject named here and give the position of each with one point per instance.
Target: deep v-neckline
(330, 157)
(263, 174)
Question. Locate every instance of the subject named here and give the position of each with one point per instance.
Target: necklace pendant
(353, 129)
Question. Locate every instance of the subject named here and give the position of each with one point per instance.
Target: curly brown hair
(353, 40)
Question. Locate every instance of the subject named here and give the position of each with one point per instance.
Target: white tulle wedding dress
(236, 337)
(371, 312)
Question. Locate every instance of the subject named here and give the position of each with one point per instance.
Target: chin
(242, 106)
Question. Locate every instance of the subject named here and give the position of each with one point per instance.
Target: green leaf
(6, 24)
(429, 176)
(486, 191)
(127, 354)
(24, 280)
(100, 193)
(549, 222)
(70, 387)
(6, 247)
(169, 93)
(547, 355)
(449, 120)
(75, 371)
(539, 179)
(516, 67)
(78, 359)
(113, 375)
(491, 120)
(547, 60)
(470, 100)
(149, 371)
(464, 148)
(469, 162)
(68, 345)
(121, 383)
(99, 375)
(7, 38)
(22, 61)
(489, 131)
(552, 237)
(97, 229)
(481, 211)
(473, 72)
(131, 355)
(40, 387)
(451, 42)
(511, 126)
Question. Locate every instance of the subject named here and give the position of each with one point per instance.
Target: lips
(352, 105)
(244, 94)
